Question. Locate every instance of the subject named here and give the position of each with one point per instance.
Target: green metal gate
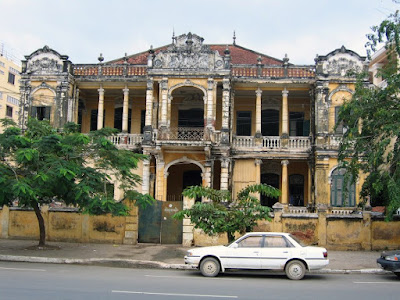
(156, 224)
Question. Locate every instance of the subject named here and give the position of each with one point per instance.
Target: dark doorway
(118, 119)
(272, 180)
(192, 178)
(93, 119)
(191, 117)
(296, 190)
(270, 122)
(298, 126)
(243, 123)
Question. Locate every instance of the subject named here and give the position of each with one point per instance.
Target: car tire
(210, 267)
(397, 274)
(295, 270)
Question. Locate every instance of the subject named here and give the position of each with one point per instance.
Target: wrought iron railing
(186, 133)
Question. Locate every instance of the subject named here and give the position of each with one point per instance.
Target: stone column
(188, 227)
(25, 90)
(207, 174)
(258, 113)
(258, 163)
(149, 102)
(159, 195)
(125, 110)
(322, 184)
(76, 106)
(164, 102)
(285, 187)
(100, 111)
(225, 111)
(165, 187)
(146, 177)
(224, 174)
(285, 114)
(147, 130)
(210, 121)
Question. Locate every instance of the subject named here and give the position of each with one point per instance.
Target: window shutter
(306, 128)
(339, 128)
(47, 113)
(34, 111)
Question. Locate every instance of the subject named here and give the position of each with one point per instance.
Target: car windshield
(297, 240)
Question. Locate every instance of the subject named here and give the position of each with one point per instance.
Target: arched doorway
(180, 176)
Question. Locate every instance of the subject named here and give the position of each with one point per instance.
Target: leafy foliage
(43, 165)
(224, 214)
(371, 144)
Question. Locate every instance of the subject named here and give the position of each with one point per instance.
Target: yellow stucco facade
(218, 116)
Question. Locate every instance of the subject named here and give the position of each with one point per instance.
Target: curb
(116, 262)
(147, 264)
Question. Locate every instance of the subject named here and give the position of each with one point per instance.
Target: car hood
(393, 252)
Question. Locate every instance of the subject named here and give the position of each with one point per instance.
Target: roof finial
(101, 58)
(173, 35)
(234, 37)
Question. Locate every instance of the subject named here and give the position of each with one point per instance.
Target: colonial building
(221, 116)
(10, 69)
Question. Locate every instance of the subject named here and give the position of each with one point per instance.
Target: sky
(82, 29)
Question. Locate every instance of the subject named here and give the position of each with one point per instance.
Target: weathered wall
(333, 231)
(385, 235)
(69, 226)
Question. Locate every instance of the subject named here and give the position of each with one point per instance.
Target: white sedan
(261, 251)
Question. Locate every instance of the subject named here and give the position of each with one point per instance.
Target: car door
(276, 252)
(244, 254)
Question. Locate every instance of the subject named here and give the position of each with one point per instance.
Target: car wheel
(295, 270)
(397, 274)
(210, 267)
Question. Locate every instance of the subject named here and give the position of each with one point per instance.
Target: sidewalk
(153, 256)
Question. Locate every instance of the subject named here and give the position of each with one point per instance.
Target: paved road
(47, 281)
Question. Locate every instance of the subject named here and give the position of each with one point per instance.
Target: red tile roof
(239, 55)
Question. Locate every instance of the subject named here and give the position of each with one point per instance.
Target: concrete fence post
(5, 220)
(322, 226)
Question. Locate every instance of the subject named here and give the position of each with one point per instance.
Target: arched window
(340, 197)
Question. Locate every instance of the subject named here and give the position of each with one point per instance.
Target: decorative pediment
(188, 52)
(45, 61)
(340, 62)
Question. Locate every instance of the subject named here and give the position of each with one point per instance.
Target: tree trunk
(42, 229)
(231, 236)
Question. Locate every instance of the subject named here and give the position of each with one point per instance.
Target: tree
(43, 165)
(371, 144)
(224, 214)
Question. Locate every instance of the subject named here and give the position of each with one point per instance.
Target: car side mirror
(234, 245)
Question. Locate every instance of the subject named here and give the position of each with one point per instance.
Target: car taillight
(326, 254)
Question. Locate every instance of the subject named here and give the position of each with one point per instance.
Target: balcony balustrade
(125, 140)
(297, 143)
(197, 134)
